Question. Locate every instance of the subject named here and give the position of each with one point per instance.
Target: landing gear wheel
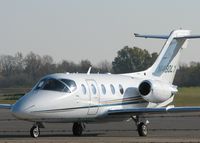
(77, 129)
(35, 131)
(142, 129)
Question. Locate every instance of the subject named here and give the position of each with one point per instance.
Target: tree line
(25, 71)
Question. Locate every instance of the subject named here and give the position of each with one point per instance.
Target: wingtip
(136, 34)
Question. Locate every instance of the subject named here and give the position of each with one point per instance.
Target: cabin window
(103, 89)
(112, 89)
(83, 88)
(121, 90)
(94, 90)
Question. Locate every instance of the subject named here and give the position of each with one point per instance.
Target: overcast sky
(93, 29)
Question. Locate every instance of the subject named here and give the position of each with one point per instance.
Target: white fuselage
(94, 95)
(89, 97)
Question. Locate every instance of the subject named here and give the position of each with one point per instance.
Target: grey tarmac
(163, 128)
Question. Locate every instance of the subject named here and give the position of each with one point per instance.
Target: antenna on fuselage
(89, 70)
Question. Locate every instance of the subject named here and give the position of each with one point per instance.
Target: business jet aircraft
(85, 98)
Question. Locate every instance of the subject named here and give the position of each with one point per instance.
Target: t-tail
(167, 62)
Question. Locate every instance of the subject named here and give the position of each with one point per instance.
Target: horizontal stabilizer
(136, 111)
(166, 36)
(189, 37)
(152, 36)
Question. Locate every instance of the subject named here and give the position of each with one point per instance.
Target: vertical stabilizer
(167, 63)
(168, 60)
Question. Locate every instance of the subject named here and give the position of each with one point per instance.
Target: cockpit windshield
(62, 85)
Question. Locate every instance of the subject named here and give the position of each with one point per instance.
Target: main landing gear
(141, 126)
(78, 128)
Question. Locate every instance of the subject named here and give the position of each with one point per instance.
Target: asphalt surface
(183, 128)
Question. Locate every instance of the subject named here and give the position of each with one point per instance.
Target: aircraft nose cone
(20, 111)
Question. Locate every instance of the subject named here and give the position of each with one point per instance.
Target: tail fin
(168, 60)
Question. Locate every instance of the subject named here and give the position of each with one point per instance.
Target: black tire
(142, 129)
(77, 129)
(35, 131)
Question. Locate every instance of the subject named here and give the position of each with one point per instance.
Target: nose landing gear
(35, 130)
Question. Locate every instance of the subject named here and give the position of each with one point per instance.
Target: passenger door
(94, 97)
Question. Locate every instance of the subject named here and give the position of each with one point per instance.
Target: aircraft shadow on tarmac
(132, 133)
(47, 135)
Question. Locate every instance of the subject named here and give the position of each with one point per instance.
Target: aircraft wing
(161, 110)
(6, 106)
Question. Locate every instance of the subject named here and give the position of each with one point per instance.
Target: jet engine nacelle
(156, 91)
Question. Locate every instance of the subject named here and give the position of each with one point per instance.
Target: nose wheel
(77, 129)
(35, 131)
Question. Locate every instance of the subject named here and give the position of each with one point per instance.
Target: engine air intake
(144, 88)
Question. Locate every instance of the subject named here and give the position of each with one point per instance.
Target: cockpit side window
(40, 84)
(70, 83)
